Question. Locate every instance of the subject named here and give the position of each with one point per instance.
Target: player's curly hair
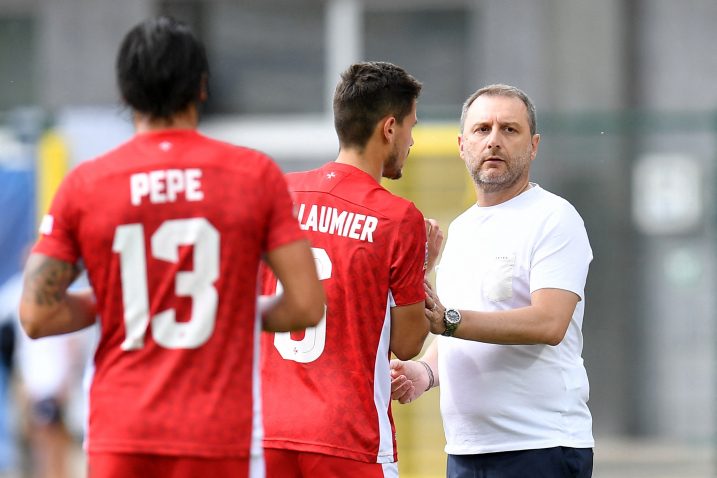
(160, 67)
(367, 92)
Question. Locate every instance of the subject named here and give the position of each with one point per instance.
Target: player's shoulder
(130, 156)
(302, 177)
(236, 150)
(404, 205)
(389, 205)
(383, 198)
(254, 166)
(353, 186)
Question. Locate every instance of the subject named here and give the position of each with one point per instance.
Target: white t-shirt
(514, 397)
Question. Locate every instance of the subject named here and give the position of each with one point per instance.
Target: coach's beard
(489, 181)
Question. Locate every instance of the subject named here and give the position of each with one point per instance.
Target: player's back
(171, 227)
(328, 390)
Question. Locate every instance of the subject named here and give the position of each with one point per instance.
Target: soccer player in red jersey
(171, 227)
(327, 401)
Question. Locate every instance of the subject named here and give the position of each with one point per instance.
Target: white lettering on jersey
(330, 220)
(166, 185)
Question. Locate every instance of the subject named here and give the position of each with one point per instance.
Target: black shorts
(558, 462)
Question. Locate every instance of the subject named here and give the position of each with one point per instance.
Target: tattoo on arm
(48, 280)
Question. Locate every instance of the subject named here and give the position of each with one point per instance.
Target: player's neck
(188, 119)
(363, 160)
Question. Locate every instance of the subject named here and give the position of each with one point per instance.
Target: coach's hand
(434, 309)
(409, 379)
(434, 241)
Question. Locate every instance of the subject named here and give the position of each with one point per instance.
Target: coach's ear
(534, 142)
(461, 150)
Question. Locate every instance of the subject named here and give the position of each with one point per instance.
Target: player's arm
(544, 321)
(46, 307)
(409, 329)
(302, 302)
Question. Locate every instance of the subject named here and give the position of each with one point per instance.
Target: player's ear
(204, 88)
(388, 128)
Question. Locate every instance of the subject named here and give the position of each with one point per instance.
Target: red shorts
(298, 464)
(129, 465)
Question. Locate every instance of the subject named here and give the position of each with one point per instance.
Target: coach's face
(496, 143)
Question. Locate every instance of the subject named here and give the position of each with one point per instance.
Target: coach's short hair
(367, 92)
(160, 67)
(502, 90)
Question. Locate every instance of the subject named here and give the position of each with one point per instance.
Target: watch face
(453, 316)
(451, 319)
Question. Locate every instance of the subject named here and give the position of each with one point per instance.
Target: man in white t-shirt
(511, 284)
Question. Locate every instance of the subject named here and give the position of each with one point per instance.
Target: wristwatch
(451, 319)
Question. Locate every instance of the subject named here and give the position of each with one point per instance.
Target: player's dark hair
(160, 67)
(503, 90)
(367, 92)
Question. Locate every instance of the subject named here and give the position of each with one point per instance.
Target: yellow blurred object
(53, 160)
(435, 179)
(420, 438)
(434, 176)
(435, 140)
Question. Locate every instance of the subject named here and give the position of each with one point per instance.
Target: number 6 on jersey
(312, 345)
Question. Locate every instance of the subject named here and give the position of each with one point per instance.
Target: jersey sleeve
(283, 227)
(409, 257)
(58, 228)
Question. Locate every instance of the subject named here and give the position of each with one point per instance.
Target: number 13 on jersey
(197, 284)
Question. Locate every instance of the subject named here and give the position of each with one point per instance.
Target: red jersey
(171, 227)
(328, 390)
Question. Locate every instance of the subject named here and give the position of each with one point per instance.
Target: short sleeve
(58, 228)
(409, 258)
(562, 255)
(282, 225)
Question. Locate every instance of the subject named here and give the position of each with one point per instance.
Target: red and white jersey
(327, 390)
(171, 227)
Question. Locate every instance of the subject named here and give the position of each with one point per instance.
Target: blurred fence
(645, 186)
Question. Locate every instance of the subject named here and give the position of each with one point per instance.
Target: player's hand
(434, 241)
(408, 380)
(434, 309)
